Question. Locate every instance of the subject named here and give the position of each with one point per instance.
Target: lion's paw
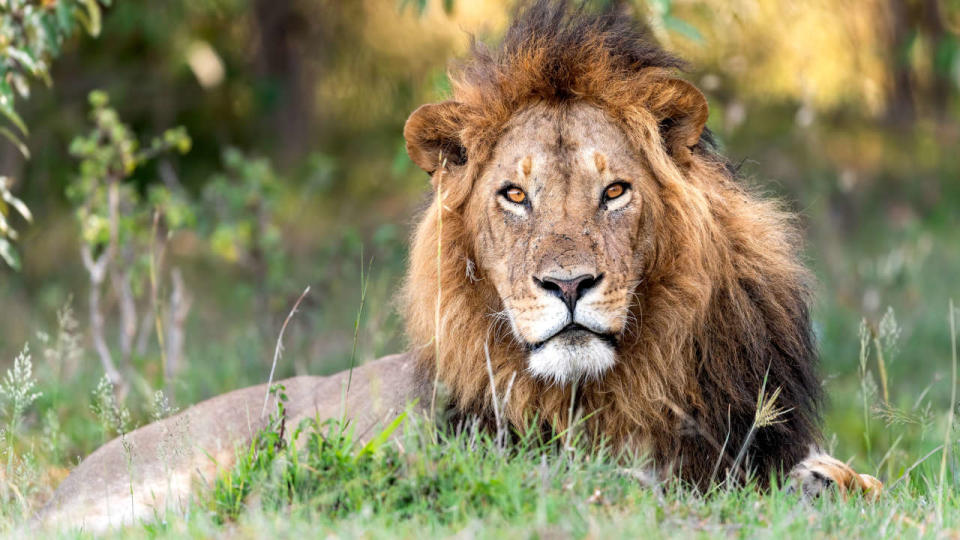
(820, 472)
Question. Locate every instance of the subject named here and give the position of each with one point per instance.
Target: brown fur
(159, 467)
(723, 296)
(820, 472)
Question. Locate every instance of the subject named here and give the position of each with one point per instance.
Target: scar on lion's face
(564, 198)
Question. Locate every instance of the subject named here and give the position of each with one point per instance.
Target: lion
(586, 249)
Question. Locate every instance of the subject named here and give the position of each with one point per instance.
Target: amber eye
(614, 190)
(515, 195)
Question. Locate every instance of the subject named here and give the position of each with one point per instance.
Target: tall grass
(465, 484)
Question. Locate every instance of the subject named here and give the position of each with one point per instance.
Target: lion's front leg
(819, 472)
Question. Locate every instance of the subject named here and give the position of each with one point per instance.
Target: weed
(17, 391)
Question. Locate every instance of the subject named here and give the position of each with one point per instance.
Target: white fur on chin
(561, 361)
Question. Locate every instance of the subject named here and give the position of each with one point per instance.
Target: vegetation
(176, 258)
(32, 34)
(470, 483)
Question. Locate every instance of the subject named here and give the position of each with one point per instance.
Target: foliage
(32, 33)
(63, 353)
(113, 416)
(111, 211)
(464, 483)
(123, 234)
(330, 475)
(242, 206)
(7, 233)
(17, 391)
(109, 155)
(31, 36)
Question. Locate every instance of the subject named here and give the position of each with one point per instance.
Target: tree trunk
(179, 308)
(281, 30)
(900, 107)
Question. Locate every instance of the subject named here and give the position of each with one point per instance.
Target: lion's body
(157, 468)
(585, 246)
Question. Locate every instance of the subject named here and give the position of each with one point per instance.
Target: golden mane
(722, 306)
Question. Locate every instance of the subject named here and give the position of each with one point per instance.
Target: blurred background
(290, 171)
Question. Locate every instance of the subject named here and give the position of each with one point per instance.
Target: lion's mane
(722, 309)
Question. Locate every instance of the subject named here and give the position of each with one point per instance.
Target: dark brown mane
(723, 302)
(571, 42)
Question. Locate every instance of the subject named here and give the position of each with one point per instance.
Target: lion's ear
(682, 111)
(433, 136)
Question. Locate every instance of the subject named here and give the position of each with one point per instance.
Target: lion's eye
(515, 195)
(614, 190)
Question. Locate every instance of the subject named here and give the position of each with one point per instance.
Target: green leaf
(9, 255)
(51, 36)
(20, 83)
(24, 58)
(5, 229)
(90, 20)
(64, 20)
(17, 204)
(381, 438)
(16, 141)
(98, 99)
(6, 107)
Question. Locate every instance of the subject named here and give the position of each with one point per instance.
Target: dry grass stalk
(364, 277)
(499, 406)
(767, 414)
(180, 303)
(947, 444)
(279, 348)
(436, 315)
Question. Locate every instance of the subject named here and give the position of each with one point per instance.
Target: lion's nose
(569, 290)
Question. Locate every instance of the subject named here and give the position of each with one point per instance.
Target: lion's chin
(565, 359)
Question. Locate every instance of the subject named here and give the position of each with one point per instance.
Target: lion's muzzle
(571, 341)
(568, 290)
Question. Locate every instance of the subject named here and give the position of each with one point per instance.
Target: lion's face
(559, 232)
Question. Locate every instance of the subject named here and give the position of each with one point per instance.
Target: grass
(465, 484)
(883, 417)
(469, 483)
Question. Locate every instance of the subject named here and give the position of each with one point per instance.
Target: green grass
(413, 481)
(466, 484)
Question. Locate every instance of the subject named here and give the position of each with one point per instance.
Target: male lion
(585, 245)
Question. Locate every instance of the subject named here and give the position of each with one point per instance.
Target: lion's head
(587, 243)
(563, 241)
